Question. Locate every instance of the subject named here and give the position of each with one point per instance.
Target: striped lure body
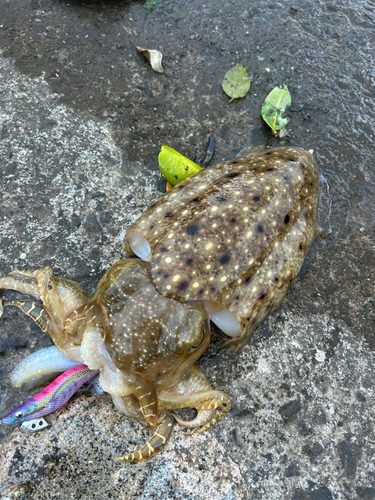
(52, 397)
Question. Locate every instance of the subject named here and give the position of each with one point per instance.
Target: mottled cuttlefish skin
(230, 239)
(235, 234)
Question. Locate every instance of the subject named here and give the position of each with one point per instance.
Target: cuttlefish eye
(18, 414)
(200, 339)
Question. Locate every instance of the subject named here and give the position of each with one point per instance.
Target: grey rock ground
(82, 119)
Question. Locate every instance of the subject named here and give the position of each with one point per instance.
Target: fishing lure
(35, 425)
(52, 397)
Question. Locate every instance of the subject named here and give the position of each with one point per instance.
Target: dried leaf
(274, 106)
(155, 58)
(237, 82)
(175, 167)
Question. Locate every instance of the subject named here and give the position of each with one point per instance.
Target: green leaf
(237, 82)
(151, 4)
(274, 106)
(175, 167)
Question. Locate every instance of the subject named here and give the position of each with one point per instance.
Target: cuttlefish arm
(194, 391)
(153, 445)
(58, 297)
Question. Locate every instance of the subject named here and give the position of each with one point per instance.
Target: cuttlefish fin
(153, 445)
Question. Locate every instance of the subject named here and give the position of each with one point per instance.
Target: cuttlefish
(224, 246)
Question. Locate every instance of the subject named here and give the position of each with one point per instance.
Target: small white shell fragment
(35, 425)
(263, 366)
(320, 356)
(155, 58)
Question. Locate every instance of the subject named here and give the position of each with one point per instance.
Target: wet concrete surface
(82, 120)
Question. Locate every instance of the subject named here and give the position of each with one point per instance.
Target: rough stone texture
(82, 118)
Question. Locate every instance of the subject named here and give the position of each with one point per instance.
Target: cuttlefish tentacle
(22, 281)
(58, 296)
(35, 311)
(196, 392)
(222, 408)
(39, 314)
(153, 445)
(145, 393)
(48, 291)
(203, 417)
(129, 406)
(127, 386)
(211, 406)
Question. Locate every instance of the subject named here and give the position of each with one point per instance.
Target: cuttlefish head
(130, 327)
